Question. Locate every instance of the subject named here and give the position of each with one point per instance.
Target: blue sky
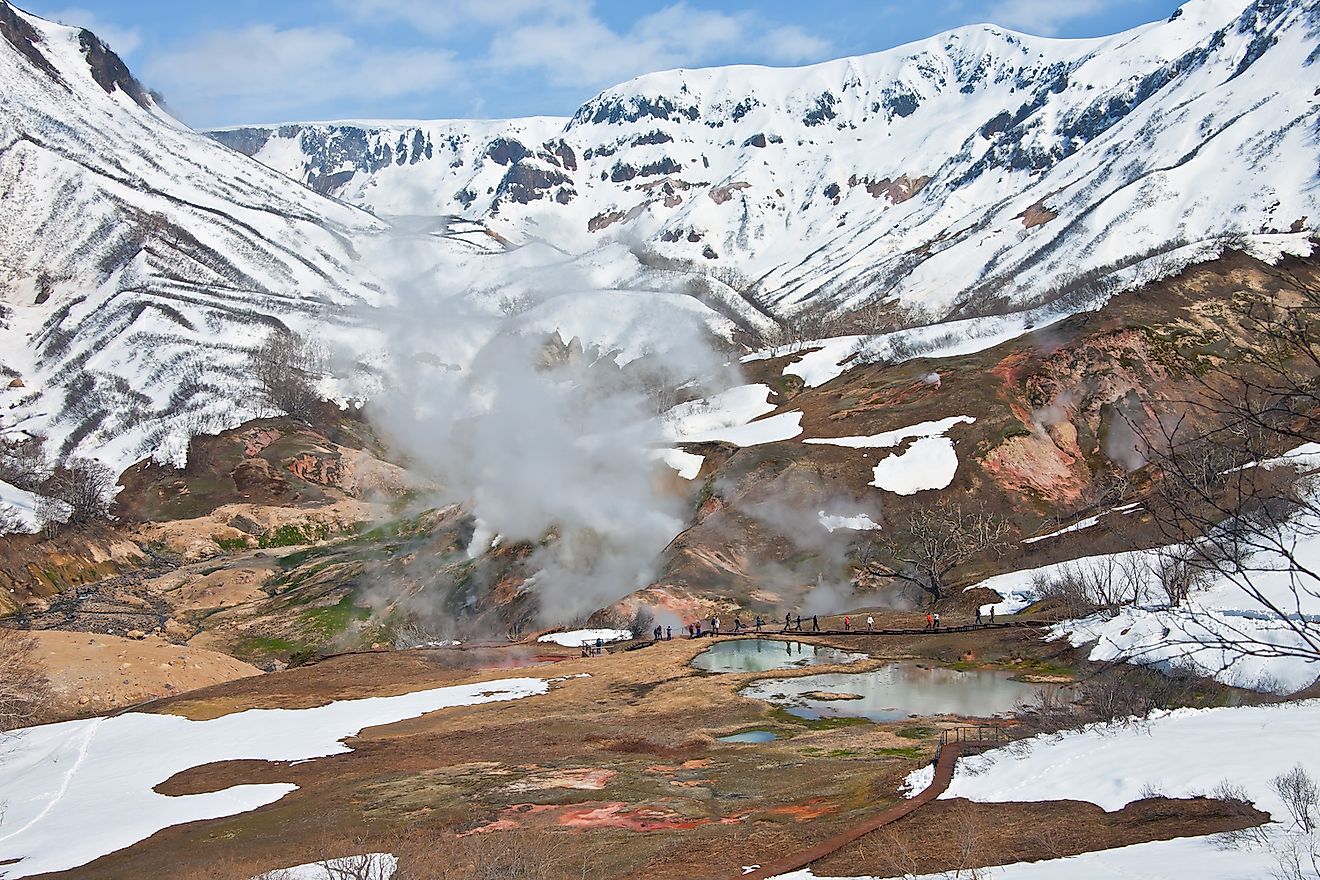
(281, 60)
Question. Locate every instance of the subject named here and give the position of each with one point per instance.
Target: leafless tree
(85, 485)
(1232, 510)
(23, 461)
(286, 367)
(935, 540)
(1297, 852)
(25, 692)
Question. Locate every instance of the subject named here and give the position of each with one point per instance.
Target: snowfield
(1218, 631)
(60, 782)
(732, 416)
(1181, 753)
(890, 439)
(579, 637)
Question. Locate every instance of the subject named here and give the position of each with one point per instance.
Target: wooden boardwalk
(808, 631)
(944, 763)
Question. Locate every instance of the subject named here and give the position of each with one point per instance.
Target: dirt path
(948, 757)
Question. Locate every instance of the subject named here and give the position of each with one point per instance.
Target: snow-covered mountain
(948, 173)
(137, 257)
(140, 260)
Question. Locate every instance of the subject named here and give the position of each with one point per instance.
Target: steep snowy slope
(977, 165)
(134, 252)
(400, 168)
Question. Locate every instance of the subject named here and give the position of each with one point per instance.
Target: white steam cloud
(543, 442)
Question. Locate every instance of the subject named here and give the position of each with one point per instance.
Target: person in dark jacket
(815, 623)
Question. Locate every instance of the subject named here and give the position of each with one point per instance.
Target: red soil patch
(594, 816)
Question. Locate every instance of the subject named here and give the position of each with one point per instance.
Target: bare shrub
(1178, 576)
(1238, 803)
(1297, 857)
(25, 692)
(415, 634)
(519, 855)
(367, 866)
(1300, 796)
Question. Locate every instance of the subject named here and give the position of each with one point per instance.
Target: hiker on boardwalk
(738, 624)
(992, 614)
(656, 632)
(815, 624)
(978, 615)
(799, 623)
(698, 626)
(870, 623)
(788, 620)
(847, 623)
(714, 626)
(669, 634)
(930, 620)
(600, 645)
(758, 623)
(937, 620)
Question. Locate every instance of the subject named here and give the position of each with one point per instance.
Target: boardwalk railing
(981, 736)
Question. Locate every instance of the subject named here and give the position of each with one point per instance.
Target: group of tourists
(793, 623)
(694, 630)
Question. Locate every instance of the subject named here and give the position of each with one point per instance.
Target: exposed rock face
(322, 468)
(529, 181)
(721, 194)
(109, 70)
(1037, 215)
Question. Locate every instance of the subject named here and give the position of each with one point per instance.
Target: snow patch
(859, 523)
(62, 781)
(579, 637)
(929, 463)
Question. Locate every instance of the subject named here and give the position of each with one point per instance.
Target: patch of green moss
(913, 752)
(785, 717)
(289, 535)
(916, 731)
(333, 620)
(230, 544)
(266, 646)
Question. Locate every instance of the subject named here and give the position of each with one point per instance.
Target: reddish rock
(323, 469)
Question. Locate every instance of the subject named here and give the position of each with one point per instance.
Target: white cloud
(442, 18)
(578, 49)
(1045, 17)
(123, 40)
(265, 73)
(790, 44)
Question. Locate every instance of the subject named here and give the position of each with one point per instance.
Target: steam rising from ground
(542, 442)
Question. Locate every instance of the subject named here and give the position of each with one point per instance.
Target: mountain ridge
(1011, 117)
